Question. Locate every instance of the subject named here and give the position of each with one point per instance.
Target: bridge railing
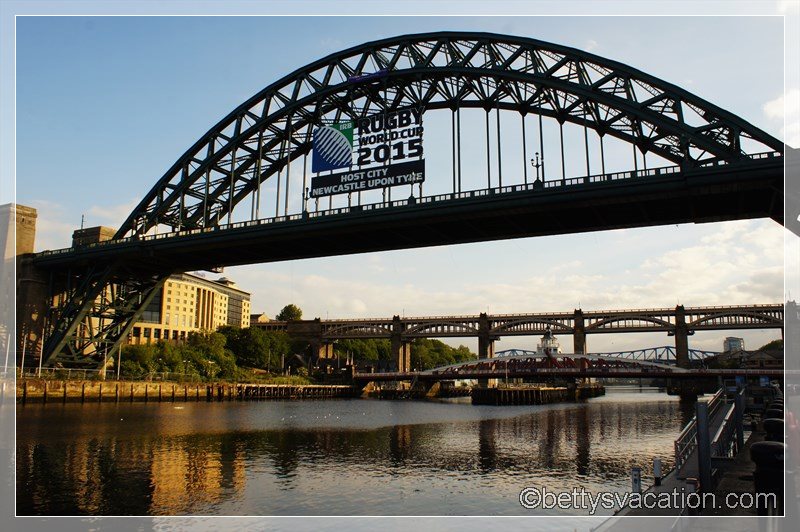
(686, 441)
(725, 442)
(567, 182)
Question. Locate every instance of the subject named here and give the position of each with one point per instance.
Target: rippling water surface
(362, 457)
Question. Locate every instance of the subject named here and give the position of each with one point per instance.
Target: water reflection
(375, 458)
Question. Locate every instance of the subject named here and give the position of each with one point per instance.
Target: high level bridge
(679, 322)
(687, 161)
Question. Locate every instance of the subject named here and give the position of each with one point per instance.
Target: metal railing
(725, 442)
(686, 442)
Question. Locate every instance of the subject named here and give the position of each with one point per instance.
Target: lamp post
(536, 164)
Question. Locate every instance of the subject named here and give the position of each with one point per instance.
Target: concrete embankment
(63, 391)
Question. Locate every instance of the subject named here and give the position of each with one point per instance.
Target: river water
(336, 457)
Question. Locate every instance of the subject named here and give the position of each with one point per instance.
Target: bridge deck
(746, 189)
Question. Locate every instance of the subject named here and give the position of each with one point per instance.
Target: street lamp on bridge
(536, 164)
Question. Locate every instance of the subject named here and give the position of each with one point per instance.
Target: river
(335, 457)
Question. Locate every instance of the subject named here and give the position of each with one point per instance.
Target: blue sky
(106, 105)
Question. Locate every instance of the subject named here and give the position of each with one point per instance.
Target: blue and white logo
(333, 147)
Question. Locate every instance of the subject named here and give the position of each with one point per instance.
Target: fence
(686, 442)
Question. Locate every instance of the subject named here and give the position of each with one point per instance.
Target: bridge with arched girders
(680, 322)
(690, 161)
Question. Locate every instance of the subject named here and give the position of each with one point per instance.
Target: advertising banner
(406, 173)
(378, 151)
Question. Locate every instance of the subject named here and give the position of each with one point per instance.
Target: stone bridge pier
(579, 334)
(401, 349)
(686, 390)
(485, 345)
(310, 332)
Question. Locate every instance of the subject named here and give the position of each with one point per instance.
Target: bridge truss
(664, 354)
(533, 324)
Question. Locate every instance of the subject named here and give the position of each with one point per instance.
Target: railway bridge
(680, 322)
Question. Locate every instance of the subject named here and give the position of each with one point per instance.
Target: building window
(152, 313)
(137, 331)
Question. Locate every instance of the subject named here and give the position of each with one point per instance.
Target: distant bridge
(562, 366)
(679, 322)
(664, 354)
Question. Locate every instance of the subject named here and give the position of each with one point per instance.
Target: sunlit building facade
(189, 302)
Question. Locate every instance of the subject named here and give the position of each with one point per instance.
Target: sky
(105, 105)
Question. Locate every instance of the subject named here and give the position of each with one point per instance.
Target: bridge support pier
(401, 350)
(583, 365)
(579, 334)
(485, 346)
(687, 391)
(681, 338)
(325, 350)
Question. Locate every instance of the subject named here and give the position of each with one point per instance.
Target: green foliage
(773, 345)
(202, 356)
(364, 350)
(289, 379)
(427, 354)
(290, 312)
(255, 348)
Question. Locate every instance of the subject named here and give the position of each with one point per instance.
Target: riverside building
(189, 302)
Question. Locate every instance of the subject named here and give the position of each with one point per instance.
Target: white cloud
(590, 45)
(55, 223)
(786, 108)
(52, 233)
(110, 215)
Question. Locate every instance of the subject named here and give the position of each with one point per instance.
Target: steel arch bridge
(722, 168)
(436, 71)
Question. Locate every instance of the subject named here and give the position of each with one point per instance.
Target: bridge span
(562, 366)
(680, 322)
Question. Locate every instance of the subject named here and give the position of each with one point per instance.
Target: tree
(773, 345)
(427, 353)
(255, 348)
(290, 312)
(364, 350)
